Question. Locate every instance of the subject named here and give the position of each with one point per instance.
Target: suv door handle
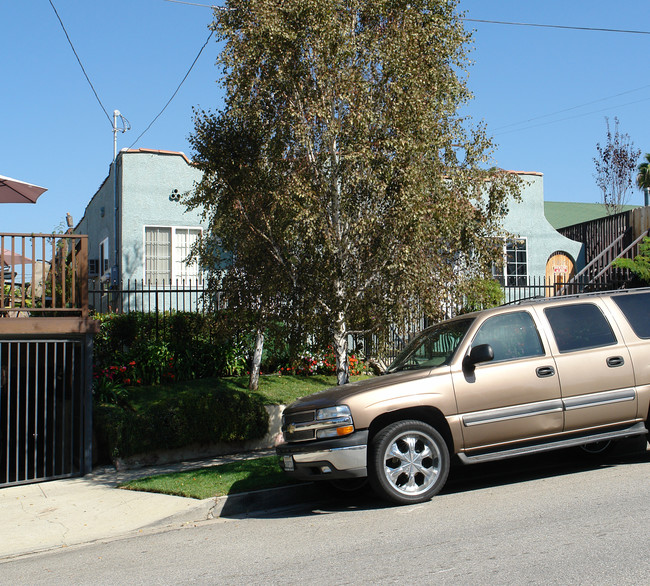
(614, 361)
(544, 371)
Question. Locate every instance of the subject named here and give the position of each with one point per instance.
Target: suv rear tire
(408, 462)
(597, 449)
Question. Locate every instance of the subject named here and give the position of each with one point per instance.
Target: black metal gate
(45, 409)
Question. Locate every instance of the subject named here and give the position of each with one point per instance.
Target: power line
(195, 4)
(80, 63)
(570, 117)
(573, 108)
(559, 26)
(176, 91)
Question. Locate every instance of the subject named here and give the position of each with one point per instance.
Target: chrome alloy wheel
(412, 463)
(408, 462)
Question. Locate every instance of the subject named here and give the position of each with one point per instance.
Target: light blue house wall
(98, 223)
(145, 194)
(526, 219)
(151, 182)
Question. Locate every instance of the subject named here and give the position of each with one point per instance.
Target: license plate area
(287, 462)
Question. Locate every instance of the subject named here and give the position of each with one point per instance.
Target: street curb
(258, 501)
(245, 503)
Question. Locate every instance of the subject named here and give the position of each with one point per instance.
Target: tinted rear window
(636, 309)
(579, 326)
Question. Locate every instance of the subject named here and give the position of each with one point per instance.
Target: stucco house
(139, 231)
(535, 253)
(137, 228)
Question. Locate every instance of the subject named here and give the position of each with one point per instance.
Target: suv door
(516, 395)
(594, 366)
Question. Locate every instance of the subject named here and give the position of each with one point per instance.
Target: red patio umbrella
(14, 191)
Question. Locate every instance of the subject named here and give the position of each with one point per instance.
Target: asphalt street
(541, 520)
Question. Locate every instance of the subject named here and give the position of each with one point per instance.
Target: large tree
(240, 197)
(353, 173)
(614, 168)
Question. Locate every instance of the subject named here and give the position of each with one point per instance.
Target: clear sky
(544, 93)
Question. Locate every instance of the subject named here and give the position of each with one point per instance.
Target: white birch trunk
(341, 350)
(254, 379)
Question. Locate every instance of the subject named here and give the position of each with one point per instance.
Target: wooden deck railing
(43, 275)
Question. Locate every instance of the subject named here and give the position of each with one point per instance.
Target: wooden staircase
(600, 270)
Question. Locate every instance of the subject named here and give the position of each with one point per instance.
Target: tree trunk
(254, 380)
(341, 350)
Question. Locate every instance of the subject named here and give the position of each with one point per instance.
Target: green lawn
(273, 389)
(234, 477)
(231, 478)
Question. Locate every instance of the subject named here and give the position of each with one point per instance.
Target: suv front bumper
(326, 459)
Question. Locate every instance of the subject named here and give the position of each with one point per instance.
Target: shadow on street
(325, 499)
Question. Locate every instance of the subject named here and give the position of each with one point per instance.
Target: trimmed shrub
(201, 418)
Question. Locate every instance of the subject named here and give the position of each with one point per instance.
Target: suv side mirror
(480, 353)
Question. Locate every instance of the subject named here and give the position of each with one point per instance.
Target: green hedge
(147, 348)
(160, 348)
(205, 418)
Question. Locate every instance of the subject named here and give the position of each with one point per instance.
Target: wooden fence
(44, 275)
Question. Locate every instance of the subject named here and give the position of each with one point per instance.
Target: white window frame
(178, 270)
(104, 257)
(501, 273)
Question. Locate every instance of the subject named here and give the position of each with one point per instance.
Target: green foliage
(340, 179)
(190, 418)
(640, 265)
(481, 294)
(163, 348)
(110, 384)
(139, 349)
(643, 175)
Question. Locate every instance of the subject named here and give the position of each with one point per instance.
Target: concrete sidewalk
(61, 513)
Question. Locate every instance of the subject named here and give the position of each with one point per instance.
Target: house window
(515, 261)
(166, 252)
(103, 256)
(184, 239)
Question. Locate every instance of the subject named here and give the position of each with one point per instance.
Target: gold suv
(505, 382)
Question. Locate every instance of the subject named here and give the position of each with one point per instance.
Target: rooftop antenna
(125, 126)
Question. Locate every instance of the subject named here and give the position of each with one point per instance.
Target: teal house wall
(526, 219)
(142, 188)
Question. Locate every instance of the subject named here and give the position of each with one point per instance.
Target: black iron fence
(187, 296)
(138, 295)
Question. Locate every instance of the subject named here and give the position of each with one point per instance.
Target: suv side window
(579, 326)
(511, 335)
(635, 309)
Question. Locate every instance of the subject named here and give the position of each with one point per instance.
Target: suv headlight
(337, 419)
(333, 412)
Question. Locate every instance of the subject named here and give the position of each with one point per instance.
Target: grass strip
(219, 480)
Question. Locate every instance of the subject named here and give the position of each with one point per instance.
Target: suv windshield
(435, 346)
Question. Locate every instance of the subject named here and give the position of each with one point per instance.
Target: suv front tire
(408, 462)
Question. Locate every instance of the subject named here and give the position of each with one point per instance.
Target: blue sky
(543, 92)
